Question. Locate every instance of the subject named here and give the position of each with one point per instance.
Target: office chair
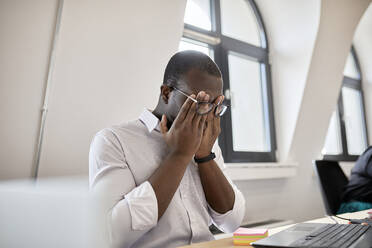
(332, 181)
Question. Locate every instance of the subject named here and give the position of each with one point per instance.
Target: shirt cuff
(231, 220)
(143, 207)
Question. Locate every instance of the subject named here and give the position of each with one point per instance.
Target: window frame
(357, 85)
(221, 46)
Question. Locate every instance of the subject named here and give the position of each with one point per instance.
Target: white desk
(228, 242)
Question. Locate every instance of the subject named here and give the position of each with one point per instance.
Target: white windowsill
(254, 171)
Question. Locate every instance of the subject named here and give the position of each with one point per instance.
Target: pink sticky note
(250, 232)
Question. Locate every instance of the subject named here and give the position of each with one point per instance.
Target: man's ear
(165, 93)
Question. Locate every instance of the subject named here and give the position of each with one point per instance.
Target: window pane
(333, 143)
(351, 69)
(354, 121)
(198, 13)
(187, 44)
(239, 21)
(248, 125)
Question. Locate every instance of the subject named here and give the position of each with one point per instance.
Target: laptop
(320, 235)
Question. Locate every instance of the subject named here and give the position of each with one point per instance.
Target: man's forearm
(167, 178)
(217, 189)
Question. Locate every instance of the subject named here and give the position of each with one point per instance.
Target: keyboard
(332, 235)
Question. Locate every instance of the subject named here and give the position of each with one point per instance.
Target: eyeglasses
(204, 108)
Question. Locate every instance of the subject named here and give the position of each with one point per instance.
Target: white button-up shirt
(121, 160)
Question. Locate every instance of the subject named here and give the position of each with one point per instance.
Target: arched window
(233, 34)
(347, 133)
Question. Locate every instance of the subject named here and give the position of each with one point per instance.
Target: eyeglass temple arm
(194, 100)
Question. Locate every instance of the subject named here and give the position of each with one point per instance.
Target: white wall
(291, 46)
(25, 39)
(363, 47)
(109, 66)
(110, 60)
(306, 85)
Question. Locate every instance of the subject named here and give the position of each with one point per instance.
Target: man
(357, 195)
(163, 179)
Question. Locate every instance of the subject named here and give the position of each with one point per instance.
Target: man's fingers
(191, 113)
(218, 103)
(196, 119)
(216, 125)
(210, 116)
(192, 110)
(202, 122)
(185, 109)
(219, 100)
(216, 119)
(201, 97)
(206, 98)
(163, 124)
(203, 118)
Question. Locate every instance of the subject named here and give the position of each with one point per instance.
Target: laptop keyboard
(332, 235)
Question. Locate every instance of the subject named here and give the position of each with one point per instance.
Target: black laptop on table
(320, 235)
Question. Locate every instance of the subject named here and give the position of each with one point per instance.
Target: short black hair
(182, 62)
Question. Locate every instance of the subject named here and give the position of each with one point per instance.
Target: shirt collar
(150, 120)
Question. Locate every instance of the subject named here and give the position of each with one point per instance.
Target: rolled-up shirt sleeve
(131, 210)
(231, 220)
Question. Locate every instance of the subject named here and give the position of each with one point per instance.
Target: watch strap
(210, 157)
